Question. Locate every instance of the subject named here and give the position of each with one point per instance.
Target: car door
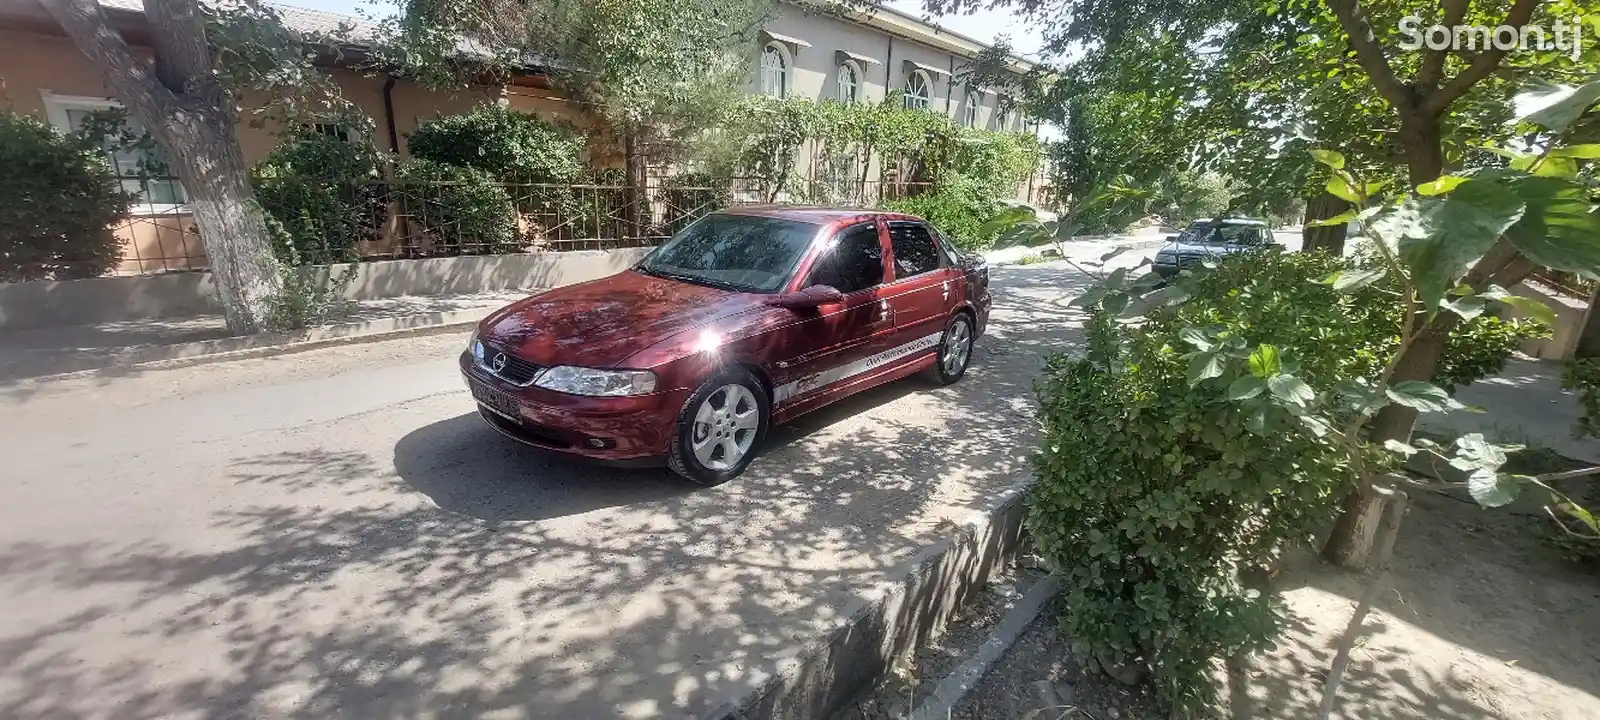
(831, 344)
(924, 286)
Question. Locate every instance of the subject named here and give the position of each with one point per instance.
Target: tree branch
(1433, 61)
(1354, 21)
(135, 86)
(178, 34)
(1485, 64)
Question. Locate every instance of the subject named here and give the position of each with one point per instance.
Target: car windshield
(1222, 234)
(737, 252)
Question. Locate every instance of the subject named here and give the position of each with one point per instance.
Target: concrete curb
(966, 677)
(201, 352)
(899, 617)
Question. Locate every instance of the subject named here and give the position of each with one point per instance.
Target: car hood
(1201, 249)
(603, 322)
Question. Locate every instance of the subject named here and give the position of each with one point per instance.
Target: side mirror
(808, 298)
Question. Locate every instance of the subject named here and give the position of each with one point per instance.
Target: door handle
(883, 309)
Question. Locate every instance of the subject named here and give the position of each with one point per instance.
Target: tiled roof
(298, 19)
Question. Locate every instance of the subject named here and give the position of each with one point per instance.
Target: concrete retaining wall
(1569, 314)
(31, 305)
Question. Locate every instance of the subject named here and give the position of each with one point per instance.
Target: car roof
(1229, 221)
(815, 214)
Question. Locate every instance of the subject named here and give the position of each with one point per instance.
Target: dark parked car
(747, 318)
(1211, 238)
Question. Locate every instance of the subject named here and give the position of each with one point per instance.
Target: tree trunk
(1330, 238)
(636, 199)
(190, 115)
(1350, 543)
(216, 178)
(1420, 139)
(1589, 338)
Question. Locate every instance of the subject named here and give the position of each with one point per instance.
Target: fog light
(597, 443)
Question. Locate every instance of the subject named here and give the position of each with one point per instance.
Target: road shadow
(466, 467)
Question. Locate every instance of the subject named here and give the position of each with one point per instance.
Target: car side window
(914, 250)
(855, 262)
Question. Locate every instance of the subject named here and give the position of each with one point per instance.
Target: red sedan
(748, 317)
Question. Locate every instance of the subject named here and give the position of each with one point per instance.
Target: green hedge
(464, 210)
(61, 201)
(324, 194)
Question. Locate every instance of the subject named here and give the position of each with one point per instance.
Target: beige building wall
(36, 67)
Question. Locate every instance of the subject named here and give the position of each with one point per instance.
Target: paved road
(336, 534)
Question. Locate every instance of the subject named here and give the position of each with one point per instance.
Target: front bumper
(621, 430)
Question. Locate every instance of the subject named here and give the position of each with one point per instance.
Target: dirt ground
(1485, 620)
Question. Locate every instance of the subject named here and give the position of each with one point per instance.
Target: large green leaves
(1438, 237)
(1556, 106)
(1560, 229)
(1422, 396)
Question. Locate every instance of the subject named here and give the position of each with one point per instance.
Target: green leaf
(1246, 387)
(1196, 337)
(1338, 186)
(1473, 451)
(1589, 151)
(1264, 362)
(1421, 396)
(1555, 106)
(1560, 229)
(1256, 421)
(1532, 307)
(1440, 186)
(1089, 298)
(1557, 167)
(1582, 515)
(1468, 307)
(1353, 280)
(1492, 489)
(1291, 389)
(1399, 447)
(1340, 219)
(1120, 250)
(1438, 237)
(1006, 220)
(1204, 366)
(1115, 302)
(1331, 158)
(1316, 425)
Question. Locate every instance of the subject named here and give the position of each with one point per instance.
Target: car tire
(955, 350)
(709, 432)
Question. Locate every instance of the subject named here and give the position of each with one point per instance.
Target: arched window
(775, 70)
(969, 111)
(849, 78)
(918, 90)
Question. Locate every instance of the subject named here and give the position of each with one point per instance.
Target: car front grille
(513, 369)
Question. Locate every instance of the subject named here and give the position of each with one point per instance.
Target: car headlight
(1166, 258)
(475, 347)
(603, 383)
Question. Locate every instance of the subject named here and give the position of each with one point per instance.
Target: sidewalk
(45, 352)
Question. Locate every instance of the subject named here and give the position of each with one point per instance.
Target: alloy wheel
(725, 427)
(957, 347)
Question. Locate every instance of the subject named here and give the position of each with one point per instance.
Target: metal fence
(393, 220)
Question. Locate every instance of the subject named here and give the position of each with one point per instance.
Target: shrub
(509, 145)
(461, 209)
(61, 200)
(321, 192)
(692, 195)
(958, 207)
(1157, 497)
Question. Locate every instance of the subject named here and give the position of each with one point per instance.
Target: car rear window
(742, 252)
(853, 262)
(914, 251)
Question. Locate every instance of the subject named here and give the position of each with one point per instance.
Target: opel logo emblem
(498, 363)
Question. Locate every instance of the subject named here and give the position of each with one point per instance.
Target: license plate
(497, 401)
